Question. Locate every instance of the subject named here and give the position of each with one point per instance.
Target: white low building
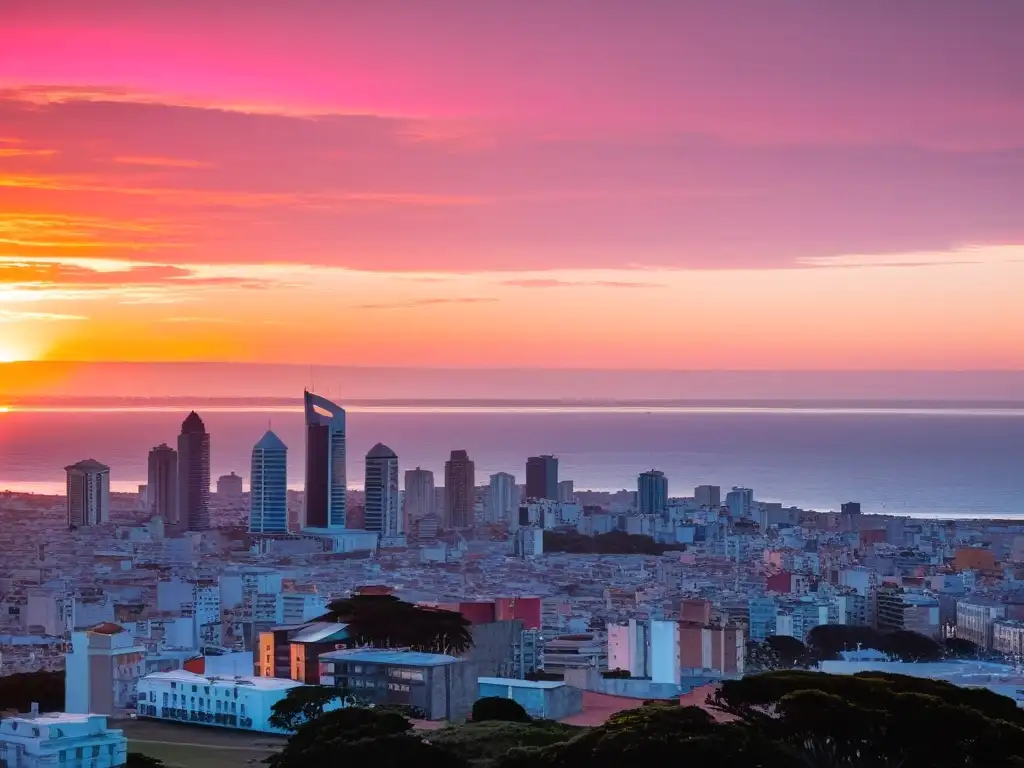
(60, 739)
(230, 702)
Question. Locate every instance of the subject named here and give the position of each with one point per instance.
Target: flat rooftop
(511, 682)
(398, 658)
(191, 678)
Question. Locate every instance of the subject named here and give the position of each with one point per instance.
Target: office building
(326, 472)
(542, 477)
(162, 483)
(566, 491)
(442, 686)
(460, 490)
(268, 491)
(501, 497)
(193, 475)
(229, 487)
(652, 493)
(59, 739)
(528, 542)
(381, 508)
(88, 493)
(740, 502)
(419, 496)
(709, 496)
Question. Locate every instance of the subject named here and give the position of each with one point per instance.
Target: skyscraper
(162, 484)
(501, 497)
(709, 496)
(566, 491)
(88, 493)
(542, 477)
(193, 475)
(739, 501)
(382, 510)
(652, 493)
(326, 478)
(419, 496)
(229, 487)
(459, 486)
(268, 488)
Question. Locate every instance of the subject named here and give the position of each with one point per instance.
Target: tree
(499, 708)
(959, 648)
(826, 641)
(139, 760)
(302, 704)
(384, 621)
(19, 691)
(909, 646)
(616, 674)
(789, 651)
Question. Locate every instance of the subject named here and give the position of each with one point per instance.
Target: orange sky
(307, 184)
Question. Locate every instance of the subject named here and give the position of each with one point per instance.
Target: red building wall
(525, 609)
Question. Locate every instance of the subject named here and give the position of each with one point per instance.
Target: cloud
(45, 274)
(18, 152)
(11, 316)
(550, 283)
(419, 303)
(162, 162)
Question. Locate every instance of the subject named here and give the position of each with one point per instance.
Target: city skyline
(629, 165)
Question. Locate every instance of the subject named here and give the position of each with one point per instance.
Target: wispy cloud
(11, 316)
(19, 152)
(418, 303)
(43, 274)
(162, 162)
(550, 283)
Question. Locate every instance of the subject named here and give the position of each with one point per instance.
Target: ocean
(921, 461)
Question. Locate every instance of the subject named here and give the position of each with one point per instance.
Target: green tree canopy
(302, 704)
(499, 708)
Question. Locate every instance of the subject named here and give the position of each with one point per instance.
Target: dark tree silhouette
(498, 708)
(384, 621)
(909, 646)
(959, 648)
(19, 691)
(302, 704)
(139, 760)
(789, 651)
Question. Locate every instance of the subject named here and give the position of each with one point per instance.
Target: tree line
(611, 543)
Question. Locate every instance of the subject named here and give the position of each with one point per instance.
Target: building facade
(542, 477)
(58, 739)
(326, 470)
(460, 490)
(88, 493)
(709, 496)
(740, 502)
(162, 483)
(501, 497)
(652, 493)
(102, 670)
(193, 475)
(268, 490)
(381, 507)
(420, 496)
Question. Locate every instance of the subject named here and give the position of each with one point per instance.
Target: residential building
(1008, 637)
(300, 607)
(975, 617)
(459, 486)
(629, 646)
(528, 542)
(566, 491)
(665, 652)
(898, 609)
(708, 496)
(326, 473)
(242, 702)
(542, 477)
(574, 652)
(652, 493)
(102, 670)
(715, 648)
(443, 687)
(268, 491)
(798, 617)
(61, 739)
(740, 502)
(420, 496)
(88, 493)
(193, 475)
(162, 484)
(381, 508)
(229, 487)
(764, 613)
(502, 497)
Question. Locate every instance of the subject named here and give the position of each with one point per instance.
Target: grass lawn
(181, 745)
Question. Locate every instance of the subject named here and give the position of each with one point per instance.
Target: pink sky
(671, 184)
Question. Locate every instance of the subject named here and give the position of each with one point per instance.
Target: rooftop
(191, 678)
(381, 451)
(399, 658)
(270, 442)
(514, 683)
(321, 632)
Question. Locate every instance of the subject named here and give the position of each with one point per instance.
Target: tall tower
(652, 493)
(88, 489)
(459, 487)
(542, 477)
(381, 513)
(419, 496)
(162, 484)
(268, 496)
(193, 475)
(502, 498)
(326, 478)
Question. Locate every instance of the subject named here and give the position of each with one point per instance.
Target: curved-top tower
(193, 475)
(326, 478)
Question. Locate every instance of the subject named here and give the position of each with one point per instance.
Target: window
(173, 686)
(201, 702)
(167, 696)
(194, 689)
(243, 710)
(152, 696)
(218, 705)
(206, 690)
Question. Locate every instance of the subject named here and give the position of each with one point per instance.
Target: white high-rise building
(381, 507)
(420, 496)
(502, 497)
(88, 493)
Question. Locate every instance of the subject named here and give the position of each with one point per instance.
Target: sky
(674, 184)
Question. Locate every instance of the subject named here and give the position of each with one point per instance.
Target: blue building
(763, 614)
(652, 493)
(546, 699)
(740, 502)
(268, 498)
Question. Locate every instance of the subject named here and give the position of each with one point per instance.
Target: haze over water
(916, 458)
